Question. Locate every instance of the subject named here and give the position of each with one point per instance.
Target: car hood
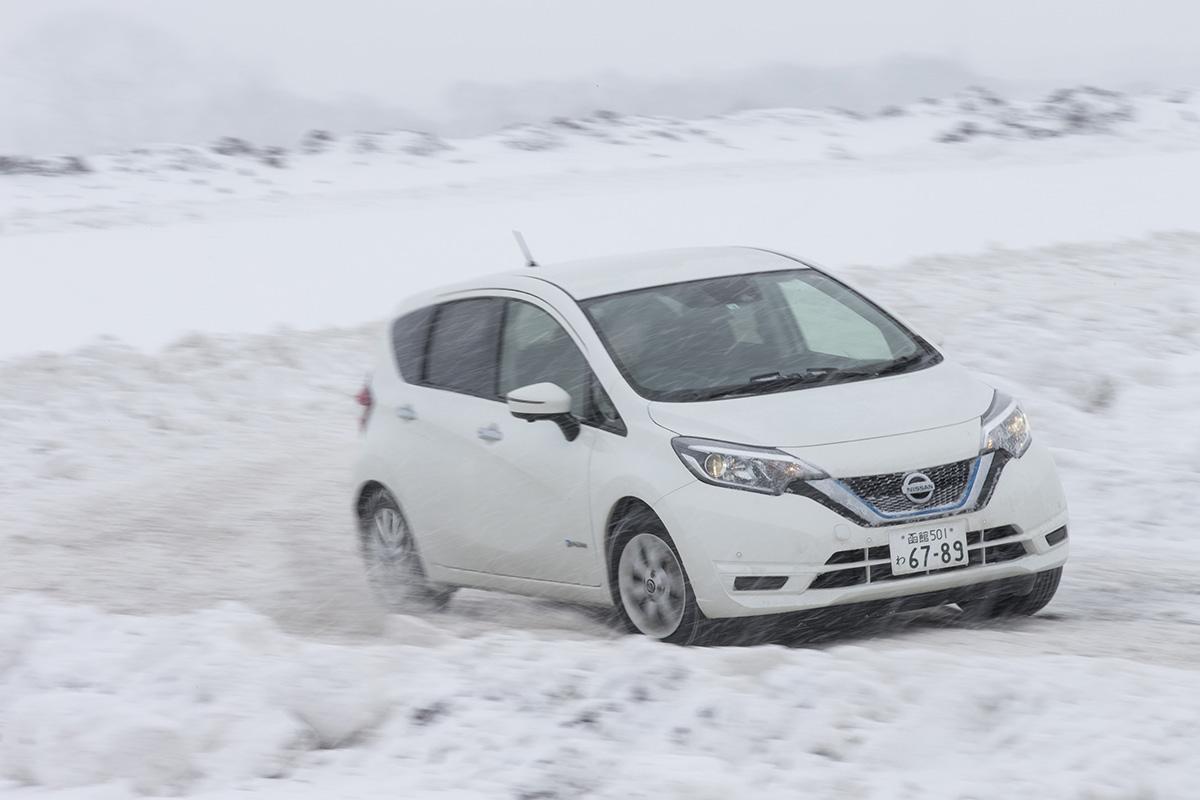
(936, 397)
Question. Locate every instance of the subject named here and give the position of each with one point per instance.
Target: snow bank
(87, 698)
(72, 420)
(220, 699)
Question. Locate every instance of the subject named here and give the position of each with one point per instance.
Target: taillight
(367, 401)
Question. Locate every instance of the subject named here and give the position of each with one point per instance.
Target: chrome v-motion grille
(873, 500)
(884, 491)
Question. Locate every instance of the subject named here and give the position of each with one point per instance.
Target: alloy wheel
(651, 584)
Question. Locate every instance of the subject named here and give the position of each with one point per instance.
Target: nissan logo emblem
(917, 487)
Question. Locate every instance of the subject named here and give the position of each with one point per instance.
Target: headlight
(739, 466)
(1005, 427)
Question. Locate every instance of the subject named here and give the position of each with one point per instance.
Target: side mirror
(547, 401)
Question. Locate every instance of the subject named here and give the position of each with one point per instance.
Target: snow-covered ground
(181, 607)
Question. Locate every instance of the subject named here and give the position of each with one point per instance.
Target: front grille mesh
(884, 491)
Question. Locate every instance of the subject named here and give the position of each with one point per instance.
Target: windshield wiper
(774, 382)
(770, 377)
(769, 382)
(889, 368)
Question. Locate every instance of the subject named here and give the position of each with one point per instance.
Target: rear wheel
(652, 590)
(393, 565)
(1045, 585)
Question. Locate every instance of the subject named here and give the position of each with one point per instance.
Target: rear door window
(464, 347)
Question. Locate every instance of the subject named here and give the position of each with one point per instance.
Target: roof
(594, 277)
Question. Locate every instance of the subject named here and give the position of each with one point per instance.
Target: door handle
(490, 434)
(406, 412)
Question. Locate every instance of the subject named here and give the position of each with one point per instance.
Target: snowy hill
(607, 139)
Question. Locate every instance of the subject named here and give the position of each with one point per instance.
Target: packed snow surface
(220, 698)
(182, 610)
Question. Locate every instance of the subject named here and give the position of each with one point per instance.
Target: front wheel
(392, 562)
(653, 592)
(1045, 585)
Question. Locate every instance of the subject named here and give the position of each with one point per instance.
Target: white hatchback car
(691, 435)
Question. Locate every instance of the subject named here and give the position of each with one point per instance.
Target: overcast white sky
(88, 75)
(408, 53)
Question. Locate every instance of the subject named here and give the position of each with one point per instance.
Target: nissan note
(694, 435)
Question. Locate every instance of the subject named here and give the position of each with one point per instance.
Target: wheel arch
(364, 493)
(625, 507)
(629, 507)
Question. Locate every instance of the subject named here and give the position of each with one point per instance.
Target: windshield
(751, 334)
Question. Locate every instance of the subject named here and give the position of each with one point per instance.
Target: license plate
(936, 545)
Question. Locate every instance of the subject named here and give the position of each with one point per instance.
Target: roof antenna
(529, 262)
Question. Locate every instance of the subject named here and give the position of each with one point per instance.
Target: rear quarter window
(409, 336)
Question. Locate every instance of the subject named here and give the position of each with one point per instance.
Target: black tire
(689, 626)
(394, 568)
(1045, 585)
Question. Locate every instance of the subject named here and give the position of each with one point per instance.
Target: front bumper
(725, 534)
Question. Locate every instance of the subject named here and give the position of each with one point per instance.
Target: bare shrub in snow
(43, 165)
(1082, 110)
(419, 143)
(74, 165)
(273, 156)
(978, 99)
(153, 158)
(233, 146)
(531, 138)
(962, 133)
(568, 123)
(366, 143)
(316, 141)
(269, 155)
(413, 143)
(1087, 109)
